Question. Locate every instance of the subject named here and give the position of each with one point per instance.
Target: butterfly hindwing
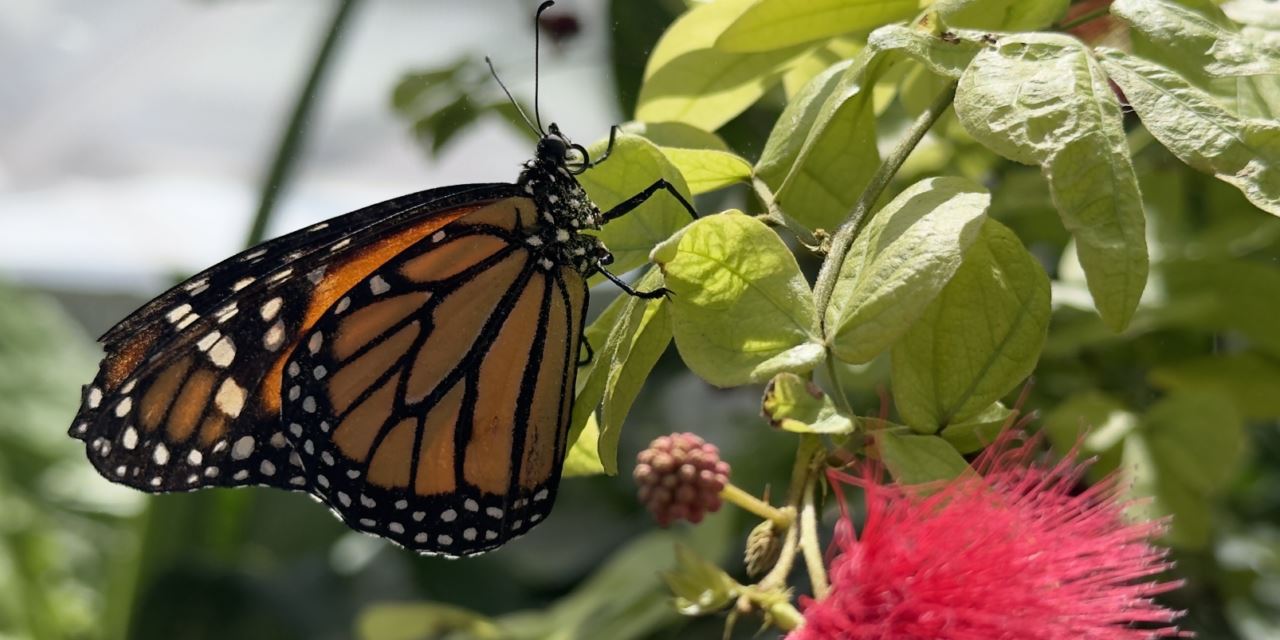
(188, 394)
(429, 404)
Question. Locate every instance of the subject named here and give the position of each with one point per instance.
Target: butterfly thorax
(564, 211)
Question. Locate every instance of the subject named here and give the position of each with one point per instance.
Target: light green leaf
(688, 80)
(1092, 424)
(1000, 15)
(1225, 50)
(774, 24)
(822, 150)
(897, 265)
(675, 134)
(643, 334)
(1042, 99)
(817, 60)
(740, 307)
(604, 335)
(1186, 120)
(708, 169)
(798, 405)
(946, 56)
(976, 433)
(423, 620)
(583, 458)
(979, 338)
(1234, 295)
(700, 587)
(1250, 380)
(635, 164)
(913, 459)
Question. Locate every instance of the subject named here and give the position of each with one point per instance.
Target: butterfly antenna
(536, 130)
(537, 54)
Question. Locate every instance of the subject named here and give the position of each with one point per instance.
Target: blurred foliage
(1175, 389)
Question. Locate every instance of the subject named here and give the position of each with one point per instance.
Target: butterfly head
(564, 209)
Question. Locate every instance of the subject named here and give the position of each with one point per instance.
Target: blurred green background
(142, 138)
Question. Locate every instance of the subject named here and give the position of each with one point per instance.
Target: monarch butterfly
(411, 364)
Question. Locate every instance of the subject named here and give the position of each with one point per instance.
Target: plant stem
(1084, 17)
(809, 544)
(287, 151)
(844, 236)
(786, 616)
(782, 518)
(777, 577)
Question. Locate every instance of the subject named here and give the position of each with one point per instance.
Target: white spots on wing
(309, 447)
(533, 241)
(295, 459)
(316, 275)
(340, 245)
(319, 372)
(353, 474)
(207, 341)
(471, 505)
(535, 517)
(241, 474)
(280, 275)
(493, 512)
(309, 404)
(469, 534)
(368, 522)
(297, 481)
(156, 481)
(191, 317)
(226, 313)
(222, 352)
(194, 458)
(553, 198)
(517, 524)
(324, 427)
(449, 515)
(444, 540)
(130, 438)
(295, 429)
(211, 472)
(220, 447)
(196, 286)
(160, 454)
(395, 527)
(128, 386)
(318, 227)
(419, 515)
(546, 263)
(528, 188)
(541, 495)
(378, 285)
(94, 398)
(420, 538)
(243, 448)
(490, 535)
(313, 345)
(438, 236)
(177, 313)
(327, 457)
(191, 479)
(367, 501)
(122, 409)
(82, 427)
(274, 336)
(546, 215)
(322, 481)
(120, 470)
(267, 468)
(344, 499)
(562, 235)
(277, 440)
(242, 283)
(343, 304)
(254, 255)
(270, 308)
(230, 398)
(402, 504)
(294, 369)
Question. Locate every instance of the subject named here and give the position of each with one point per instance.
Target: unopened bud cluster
(680, 478)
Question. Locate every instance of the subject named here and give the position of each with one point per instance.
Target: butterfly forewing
(188, 394)
(429, 404)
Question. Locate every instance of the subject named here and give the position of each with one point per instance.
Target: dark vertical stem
(287, 152)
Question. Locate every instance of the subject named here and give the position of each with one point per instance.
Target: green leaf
(688, 80)
(798, 405)
(822, 151)
(635, 165)
(604, 336)
(1186, 120)
(446, 123)
(708, 169)
(1000, 15)
(978, 339)
(642, 335)
(414, 88)
(774, 24)
(817, 60)
(914, 459)
(976, 433)
(423, 620)
(1250, 380)
(1225, 50)
(741, 310)
(900, 262)
(1042, 99)
(583, 458)
(700, 587)
(1092, 424)
(675, 134)
(1235, 295)
(947, 56)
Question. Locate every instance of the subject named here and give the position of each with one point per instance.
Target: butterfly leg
(613, 137)
(660, 292)
(625, 207)
(591, 353)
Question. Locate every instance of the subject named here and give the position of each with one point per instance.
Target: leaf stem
(805, 452)
(287, 151)
(810, 546)
(1088, 16)
(782, 519)
(848, 230)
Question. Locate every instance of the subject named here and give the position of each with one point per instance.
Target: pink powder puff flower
(1010, 552)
